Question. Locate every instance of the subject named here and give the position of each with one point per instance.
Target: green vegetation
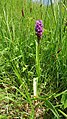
(18, 60)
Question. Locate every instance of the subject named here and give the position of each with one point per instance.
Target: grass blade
(52, 108)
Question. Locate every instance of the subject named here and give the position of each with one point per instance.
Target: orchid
(39, 28)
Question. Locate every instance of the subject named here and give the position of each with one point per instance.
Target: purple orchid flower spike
(39, 33)
(39, 29)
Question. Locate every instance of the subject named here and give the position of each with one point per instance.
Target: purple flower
(39, 28)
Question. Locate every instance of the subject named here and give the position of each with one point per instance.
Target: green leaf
(64, 100)
(62, 113)
(24, 68)
(65, 104)
(52, 108)
(3, 117)
(19, 80)
(60, 93)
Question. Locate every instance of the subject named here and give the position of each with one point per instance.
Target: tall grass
(18, 57)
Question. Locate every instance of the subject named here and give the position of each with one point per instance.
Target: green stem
(35, 80)
(37, 60)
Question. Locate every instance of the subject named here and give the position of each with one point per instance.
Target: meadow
(18, 60)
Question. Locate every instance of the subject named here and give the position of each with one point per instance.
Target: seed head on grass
(39, 29)
(22, 12)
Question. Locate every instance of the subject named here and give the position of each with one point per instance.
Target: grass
(18, 57)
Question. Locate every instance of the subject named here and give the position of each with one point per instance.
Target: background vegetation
(17, 60)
